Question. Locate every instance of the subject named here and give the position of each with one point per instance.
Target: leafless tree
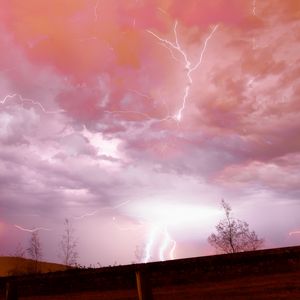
(35, 249)
(234, 235)
(17, 263)
(19, 251)
(68, 245)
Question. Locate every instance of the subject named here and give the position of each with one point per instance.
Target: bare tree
(19, 251)
(234, 235)
(68, 245)
(17, 263)
(35, 249)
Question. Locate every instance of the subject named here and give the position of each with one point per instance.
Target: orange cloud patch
(69, 37)
(126, 46)
(203, 13)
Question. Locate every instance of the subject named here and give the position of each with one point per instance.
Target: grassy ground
(278, 286)
(259, 275)
(18, 266)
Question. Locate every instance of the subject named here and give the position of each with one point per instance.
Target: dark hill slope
(265, 274)
(17, 266)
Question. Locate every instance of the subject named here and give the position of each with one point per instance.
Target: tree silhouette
(35, 249)
(68, 245)
(233, 235)
(19, 251)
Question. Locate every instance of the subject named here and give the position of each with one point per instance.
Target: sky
(135, 118)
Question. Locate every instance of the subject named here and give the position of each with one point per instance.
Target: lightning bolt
(118, 205)
(140, 94)
(164, 245)
(144, 115)
(85, 215)
(188, 65)
(149, 119)
(96, 10)
(254, 7)
(134, 112)
(93, 213)
(162, 11)
(31, 230)
(254, 15)
(166, 242)
(172, 251)
(150, 243)
(33, 102)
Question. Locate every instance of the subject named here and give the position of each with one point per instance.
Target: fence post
(143, 285)
(11, 291)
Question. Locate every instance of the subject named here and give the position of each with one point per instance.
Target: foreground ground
(259, 275)
(282, 286)
(10, 265)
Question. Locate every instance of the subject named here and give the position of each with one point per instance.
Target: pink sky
(134, 118)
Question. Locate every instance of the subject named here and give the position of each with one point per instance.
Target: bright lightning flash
(165, 215)
(166, 242)
(188, 65)
(150, 243)
(155, 231)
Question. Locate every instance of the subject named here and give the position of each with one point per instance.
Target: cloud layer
(110, 108)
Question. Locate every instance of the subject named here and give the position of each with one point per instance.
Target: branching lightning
(154, 232)
(173, 47)
(189, 66)
(31, 230)
(33, 102)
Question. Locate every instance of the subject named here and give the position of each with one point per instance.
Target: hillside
(258, 275)
(18, 266)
